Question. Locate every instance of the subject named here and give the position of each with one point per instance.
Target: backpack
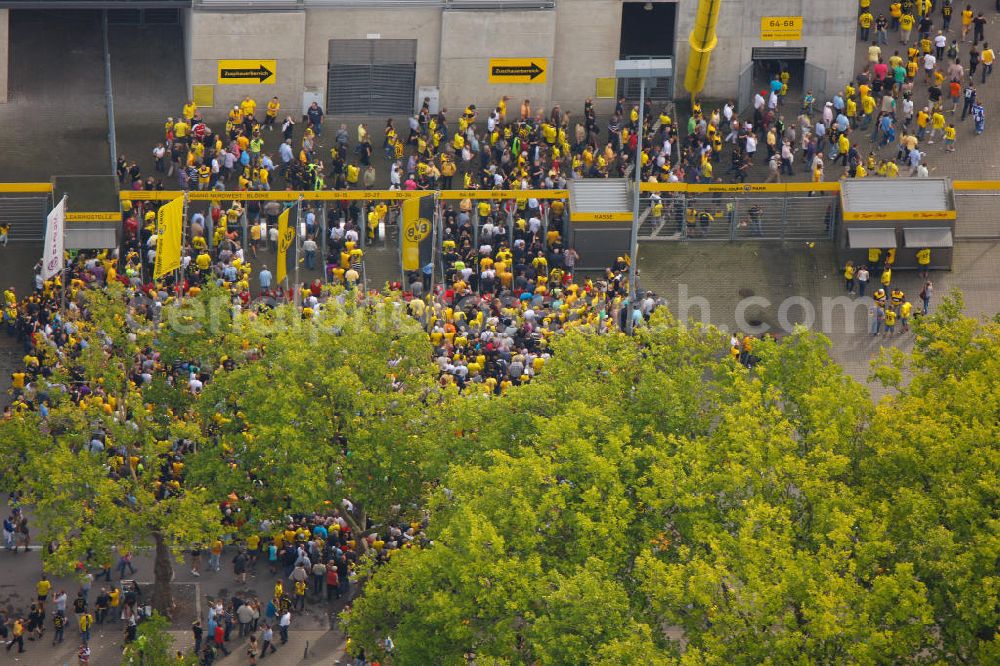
(952, 51)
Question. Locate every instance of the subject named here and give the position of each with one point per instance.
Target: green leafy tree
(153, 646)
(648, 499)
(87, 507)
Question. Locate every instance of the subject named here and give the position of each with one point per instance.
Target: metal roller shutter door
(928, 237)
(778, 53)
(880, 237)
(371, 76)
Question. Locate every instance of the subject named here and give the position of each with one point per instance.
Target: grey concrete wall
(471, 38)
(828, 34)
(266, 35)
(589, 32)
(4, 55)
(580, 38)
(420, 23)
(186, 31)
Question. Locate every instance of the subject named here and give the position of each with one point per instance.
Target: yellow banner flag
(286, 235)
(417, 215)
(169, 231)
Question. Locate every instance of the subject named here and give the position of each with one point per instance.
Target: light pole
(644, 70)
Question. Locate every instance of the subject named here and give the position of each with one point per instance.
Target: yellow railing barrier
(336, 195)
(965, 185)
(741, 188)
(25, 188)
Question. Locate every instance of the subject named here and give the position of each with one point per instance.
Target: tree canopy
(644, 499)
(649, 500)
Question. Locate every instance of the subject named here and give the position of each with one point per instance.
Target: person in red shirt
(880, 70)
(220, 639)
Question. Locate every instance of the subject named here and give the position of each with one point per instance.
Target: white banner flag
(52, 259)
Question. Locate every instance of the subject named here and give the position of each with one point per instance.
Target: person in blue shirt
(265, 279)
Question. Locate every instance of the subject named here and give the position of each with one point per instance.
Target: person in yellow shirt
(273, 107)
(923, 261)
(204, 174)
(189, 110)
(905, 312)
(966, 21)
(923, 116)
(865, 22)
(890, 321)
(248, 107)
(937, 125)
(905, 26)
(987, 58)
(181, 131)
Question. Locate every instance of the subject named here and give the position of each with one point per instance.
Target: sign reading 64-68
(780, 28)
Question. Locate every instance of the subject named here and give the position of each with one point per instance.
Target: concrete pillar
(4, 55)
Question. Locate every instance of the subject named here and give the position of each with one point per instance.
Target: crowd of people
(312, 556)
(509, 281)
(901, 102)
(890, 306)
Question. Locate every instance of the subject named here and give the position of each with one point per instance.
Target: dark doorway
(647, 32)
(771, 62)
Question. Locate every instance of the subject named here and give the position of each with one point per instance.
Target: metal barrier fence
(725, 216)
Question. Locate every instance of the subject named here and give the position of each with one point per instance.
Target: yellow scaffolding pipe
(702, 40)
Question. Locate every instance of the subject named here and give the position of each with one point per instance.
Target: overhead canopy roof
(882, 238)
(928, 237)
(886, 195)
(91, 238)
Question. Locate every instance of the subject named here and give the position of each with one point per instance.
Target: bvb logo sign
(418, 231)
(286, 241)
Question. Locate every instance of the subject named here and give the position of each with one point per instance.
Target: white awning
(90, 239)
(882, 238)
(928, 237)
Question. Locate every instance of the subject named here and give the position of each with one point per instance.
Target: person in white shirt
(283, 624)
(159, 153)
(309, 248)
(929, 63)
(940, 42)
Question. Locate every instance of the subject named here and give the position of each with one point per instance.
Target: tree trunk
(357, 528)
(162, 599)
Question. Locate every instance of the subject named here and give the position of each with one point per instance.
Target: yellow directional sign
(780, 28)
(248, 71)
(518, 70)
